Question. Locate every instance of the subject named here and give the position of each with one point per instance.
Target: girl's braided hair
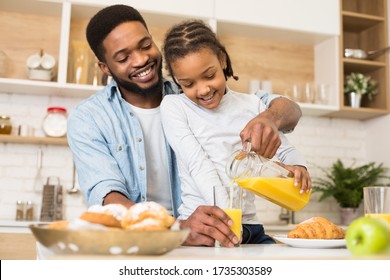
(189, 37)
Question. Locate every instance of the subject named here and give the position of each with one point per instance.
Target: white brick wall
(19, 175)
(321, 140)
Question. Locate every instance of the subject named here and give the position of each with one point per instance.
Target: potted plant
(356, 85)
(345, 185)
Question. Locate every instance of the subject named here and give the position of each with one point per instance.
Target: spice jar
(29, 215)
(55, 122)
(5, 125)
(19, 210)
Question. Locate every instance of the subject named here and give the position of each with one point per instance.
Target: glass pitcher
(265, 178)
(246, 163)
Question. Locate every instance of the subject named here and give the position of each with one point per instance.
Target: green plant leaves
(345, 184)
(360, 84)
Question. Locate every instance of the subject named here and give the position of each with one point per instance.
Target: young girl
(203, 124)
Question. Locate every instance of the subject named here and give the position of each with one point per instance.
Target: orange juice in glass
(377, 202)
(236, 216)
(229, 199)
(385, 217)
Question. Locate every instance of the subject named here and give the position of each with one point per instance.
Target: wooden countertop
(17, 246)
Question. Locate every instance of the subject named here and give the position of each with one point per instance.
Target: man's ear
(104, 68)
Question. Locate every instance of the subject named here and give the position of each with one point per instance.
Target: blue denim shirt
(108, 148)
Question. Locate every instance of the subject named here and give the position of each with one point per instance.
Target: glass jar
(29, 211)
(5, 125)
(55, 122)
(19, 210)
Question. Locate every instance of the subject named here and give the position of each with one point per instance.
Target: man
(116, 135)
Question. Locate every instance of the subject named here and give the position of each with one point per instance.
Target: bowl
(108, 242)
(355, 53)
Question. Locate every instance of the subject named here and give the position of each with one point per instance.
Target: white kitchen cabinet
(33, 18)
(175, 8)
(303, 21)
(313, 23)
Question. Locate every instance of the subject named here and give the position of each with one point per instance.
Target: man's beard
(134, 88)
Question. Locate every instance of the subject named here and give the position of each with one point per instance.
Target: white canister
(55, 122)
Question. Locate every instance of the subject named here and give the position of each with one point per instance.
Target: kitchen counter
(17, 246)
(12, 226)
(278, 251)
(247, 251)
(16, 240)
(22, 227)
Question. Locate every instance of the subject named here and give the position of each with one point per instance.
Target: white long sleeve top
(204, 139)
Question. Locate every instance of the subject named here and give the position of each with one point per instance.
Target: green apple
(367, 236)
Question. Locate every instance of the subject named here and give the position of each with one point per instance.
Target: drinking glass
(322, 94)
(294, 93)
(377, 202)
(309, 93)
(81, 62)
(229, 199)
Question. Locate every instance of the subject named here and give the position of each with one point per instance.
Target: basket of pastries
(143, 229)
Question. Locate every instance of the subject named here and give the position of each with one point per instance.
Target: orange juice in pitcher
(280, 191)
(265, 178)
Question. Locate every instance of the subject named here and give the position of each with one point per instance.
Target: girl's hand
(301, 175)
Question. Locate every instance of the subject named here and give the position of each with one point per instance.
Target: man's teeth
(146, 72)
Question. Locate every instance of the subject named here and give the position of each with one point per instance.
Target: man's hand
(117, 198)
(207, 224)
(262, 131)
(263, 135)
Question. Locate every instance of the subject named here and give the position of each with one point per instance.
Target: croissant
(147, 216)
(317, 228)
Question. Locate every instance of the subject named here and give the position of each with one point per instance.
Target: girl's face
(200, 75)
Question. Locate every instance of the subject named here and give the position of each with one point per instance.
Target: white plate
(311, 243)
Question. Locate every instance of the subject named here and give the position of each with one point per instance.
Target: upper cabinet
(302, 21)
(364, 29)
(302, 38)
(57, 28)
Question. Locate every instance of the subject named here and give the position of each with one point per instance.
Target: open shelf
(33, 140)
(364, 27)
